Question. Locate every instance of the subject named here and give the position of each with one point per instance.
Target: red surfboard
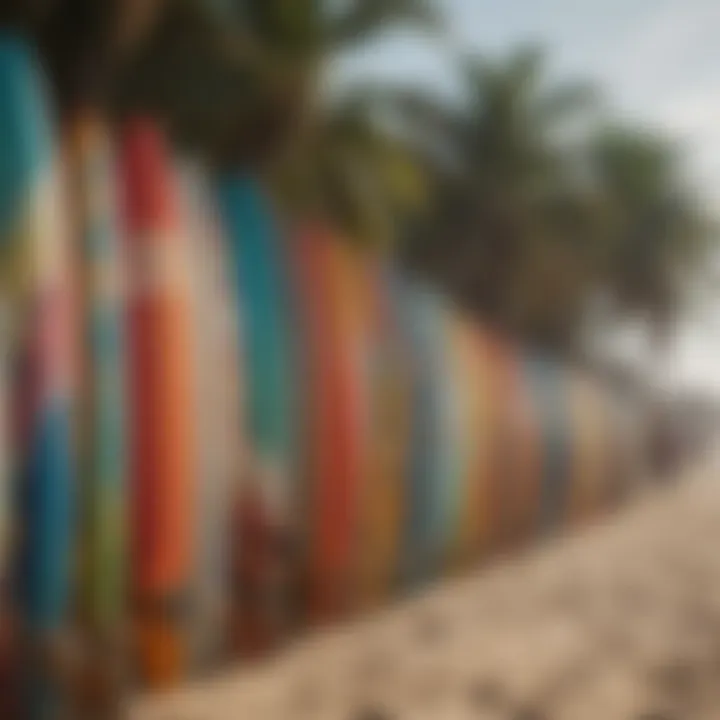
(334, 458)
(162, 436)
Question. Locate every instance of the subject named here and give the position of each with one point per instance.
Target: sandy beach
(620, 620)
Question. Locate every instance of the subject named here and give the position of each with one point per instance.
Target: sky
(658, 62)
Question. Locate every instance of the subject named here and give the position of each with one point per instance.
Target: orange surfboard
(471, 370)
(382, 495)
(162, 433)
(500, 487)
(333, 427)
(522, 463)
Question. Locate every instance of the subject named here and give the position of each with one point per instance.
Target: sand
(619, 621)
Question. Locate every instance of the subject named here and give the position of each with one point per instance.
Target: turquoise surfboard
(35, 279)
(258, 267)
(423, 535)
(456, 455)
(545, 383)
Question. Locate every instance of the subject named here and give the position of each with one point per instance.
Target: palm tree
(538, 211)
(513, 232)
(658, 236)
(81, 41)
(349, 169)
(241, 82)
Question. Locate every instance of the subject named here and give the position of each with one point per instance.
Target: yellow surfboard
(382, 492)
(476, 521)
(586, 450)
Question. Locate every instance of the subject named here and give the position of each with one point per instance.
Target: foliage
(518, 230)
(512, 198)
(659, 234)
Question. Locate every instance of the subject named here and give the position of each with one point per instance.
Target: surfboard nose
(147, 183)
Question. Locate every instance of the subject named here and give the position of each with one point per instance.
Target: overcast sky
(657, 60)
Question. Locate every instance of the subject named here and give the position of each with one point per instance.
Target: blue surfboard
(548, 392)
(258, 267)
(425, 512)
(35, 279)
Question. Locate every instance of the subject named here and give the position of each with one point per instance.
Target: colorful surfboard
(457, 443)
(7, 509)
(473, 367)
(350, 328)
(499, 488)
(35, 267)
(163, 437)
(6, 462)
(470, 365)
(523, 477)
(623, 447)
(618, 439)
(382, 502)
(424, 530)
(94, 219)
(586, 448)
(6, 504)
(549, 399)
(259, 269)
(221, 442)
(334, 419)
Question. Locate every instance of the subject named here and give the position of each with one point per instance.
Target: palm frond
(360, 20)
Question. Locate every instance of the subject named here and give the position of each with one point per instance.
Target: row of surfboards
(218, 429)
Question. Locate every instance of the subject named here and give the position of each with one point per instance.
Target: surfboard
(471, 368)
(549, 399)
(90, 175)
(221, 441)
(334, 419)
(35, 269)
(597, 453)
(620, 452)
(269, 493)
(623, 448)
(522, 447)
(585, 455)
(350, 326)
(161, 375)
(382, 499)
(499, 486)
(6, 460)
(6, 509)
(314, 360)
(423, 540)
(457, 427)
